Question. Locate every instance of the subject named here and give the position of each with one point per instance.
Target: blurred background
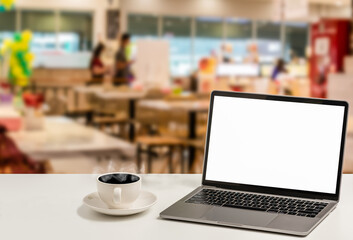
(91, 86)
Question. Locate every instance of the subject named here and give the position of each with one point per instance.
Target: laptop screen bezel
(273, 190)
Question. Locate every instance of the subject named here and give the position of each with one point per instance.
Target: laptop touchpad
(239, 216)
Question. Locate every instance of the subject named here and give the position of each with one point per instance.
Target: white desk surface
(175, 105)
(50, 207)
(63, 136)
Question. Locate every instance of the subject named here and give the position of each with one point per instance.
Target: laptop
(272, 163)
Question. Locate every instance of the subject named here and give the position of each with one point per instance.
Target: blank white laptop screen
(275, 144)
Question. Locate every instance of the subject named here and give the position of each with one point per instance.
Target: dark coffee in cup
(118, 189)
(119, 178)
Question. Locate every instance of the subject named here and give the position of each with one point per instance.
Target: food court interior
(93, 86)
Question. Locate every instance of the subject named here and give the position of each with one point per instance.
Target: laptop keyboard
(258, 202)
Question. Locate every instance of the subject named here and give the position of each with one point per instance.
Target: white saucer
(142, 203)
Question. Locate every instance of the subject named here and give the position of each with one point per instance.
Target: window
(38, 21)
(8, 21)
(209, 37)
(296, 40)
(225, 38)
(238, 34)
(7, 25)
(142, 26)
(59, 39)
(75, 31)
(178, 32)
(42, 24)
(269, 41)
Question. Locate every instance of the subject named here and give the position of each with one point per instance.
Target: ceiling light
(338, 3)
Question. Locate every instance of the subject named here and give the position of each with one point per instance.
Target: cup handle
(117, 195)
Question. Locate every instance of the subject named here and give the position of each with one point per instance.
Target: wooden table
(86, 90)
(192, 107)
(132, 97)
(49, 206)
(89, 89)
(113, 93)
(62, 136)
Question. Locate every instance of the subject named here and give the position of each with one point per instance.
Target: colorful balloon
(26, 36)
(21, 58)
(6, 5)
(5, 46)
(29, 57)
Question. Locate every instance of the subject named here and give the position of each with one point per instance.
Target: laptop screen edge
(273, 190)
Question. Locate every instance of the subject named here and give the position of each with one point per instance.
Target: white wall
(330, 11)
(251, 9)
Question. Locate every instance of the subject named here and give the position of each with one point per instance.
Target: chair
(149, 145)
(119, 120)
(146, 118)
(57, 105)
(109, 114)
(199, 145)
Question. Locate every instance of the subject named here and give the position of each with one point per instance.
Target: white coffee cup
(119, 189)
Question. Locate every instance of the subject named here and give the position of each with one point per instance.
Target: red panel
(329, 44)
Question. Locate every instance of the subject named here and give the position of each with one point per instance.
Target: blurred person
(322, 68)
(97, 68)
(194, 82)
(12, 160)
(281, 78)
(278, 69)
(123, 73)
(253, 54)
(226, 53)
